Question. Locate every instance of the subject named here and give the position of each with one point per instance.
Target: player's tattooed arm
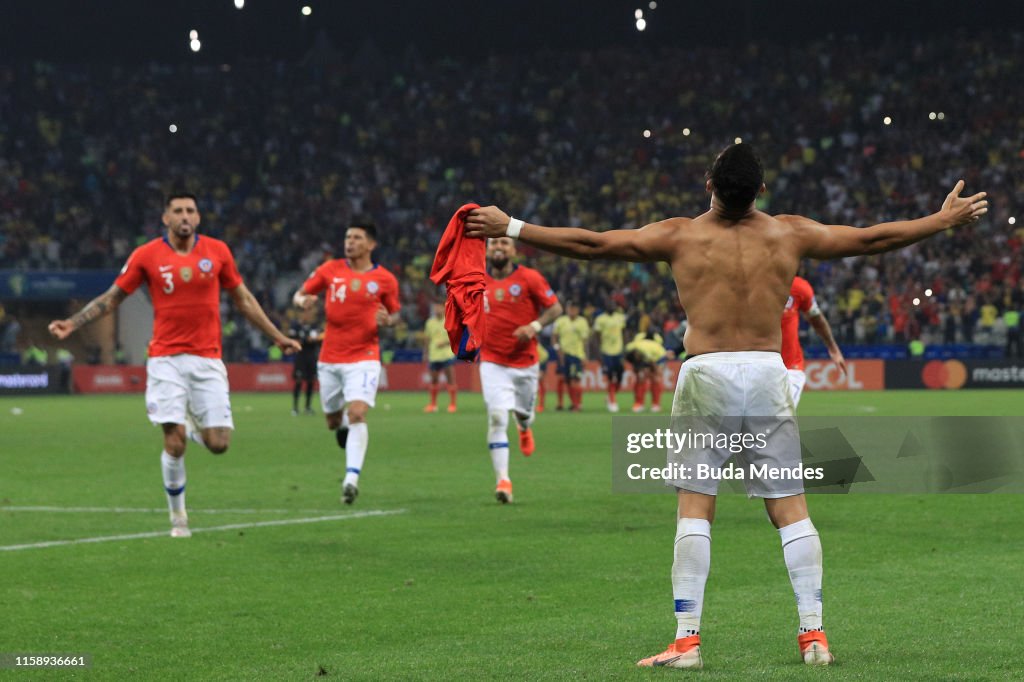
(252, 311)
(103, 304)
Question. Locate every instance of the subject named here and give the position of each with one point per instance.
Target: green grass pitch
(570, 582)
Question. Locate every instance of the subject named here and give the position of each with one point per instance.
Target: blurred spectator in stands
(1011, 318)
(9, 337)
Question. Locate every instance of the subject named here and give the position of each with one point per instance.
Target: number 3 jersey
(351, 301)
(185, 289)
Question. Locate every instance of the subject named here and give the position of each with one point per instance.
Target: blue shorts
(571, 367)
(440, 366)
(612, 367)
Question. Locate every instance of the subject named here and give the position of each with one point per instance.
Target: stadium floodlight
(639, 14)
(917, 301)
(239, 4)
(738, 140)
(1012, 220)
(307, 10)
(686, 132)
(173, 128)
(195, 45)
(641, 24)
(932, 116)
(941, 115)
(927, 292)
(887, 120)
(647, 133)
(652, 4)
(193, 35)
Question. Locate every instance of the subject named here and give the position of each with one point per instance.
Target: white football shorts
(176, 383)
(509, 388)
(797, 380)
(734, 394)
(344, 382)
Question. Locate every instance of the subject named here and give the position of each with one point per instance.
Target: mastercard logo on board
(950, 374)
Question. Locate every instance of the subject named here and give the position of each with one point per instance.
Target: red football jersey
(801, 299)
(510, 303)
(186, 293)
(351, 304)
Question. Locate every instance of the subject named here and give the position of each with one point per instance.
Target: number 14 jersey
(351, 301)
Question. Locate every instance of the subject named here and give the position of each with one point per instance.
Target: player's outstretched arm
(649, 243)
(251, 310)
(104, 304)
(839, 241)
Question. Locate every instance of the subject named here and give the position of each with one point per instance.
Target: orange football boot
(526, 444)
(503, 493)
(814, 648)
(682, 653)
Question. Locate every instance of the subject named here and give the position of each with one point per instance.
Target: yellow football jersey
(609, 327)
(438, 349)
(572, 335)
(649, 349)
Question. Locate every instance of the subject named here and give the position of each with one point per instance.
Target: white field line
(232, 526)
(162, 510)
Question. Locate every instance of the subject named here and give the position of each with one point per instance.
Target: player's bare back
(733, 277)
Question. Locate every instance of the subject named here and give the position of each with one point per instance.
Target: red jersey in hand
(460, 264)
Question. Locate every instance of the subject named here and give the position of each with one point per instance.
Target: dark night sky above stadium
(156, 30)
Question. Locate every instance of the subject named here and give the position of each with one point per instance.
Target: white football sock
(355, 451)
(802, 551)
(173, 469)
(497, 442)
(690, 573)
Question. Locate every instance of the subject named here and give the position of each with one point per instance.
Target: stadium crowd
(284, 155)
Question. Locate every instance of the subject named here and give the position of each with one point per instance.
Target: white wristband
(515, 226)
(537, 326)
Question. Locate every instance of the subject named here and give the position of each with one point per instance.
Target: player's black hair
(366, 226)
(180, 195)
(737, 176)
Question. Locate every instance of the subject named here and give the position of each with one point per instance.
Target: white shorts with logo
(797, 380)
(509, 388)
(344, 382)
(176, 383)
(739, 393)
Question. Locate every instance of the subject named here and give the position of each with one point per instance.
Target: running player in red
(801, 301)
(360, 298)
(518, 303)
(186, 381)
